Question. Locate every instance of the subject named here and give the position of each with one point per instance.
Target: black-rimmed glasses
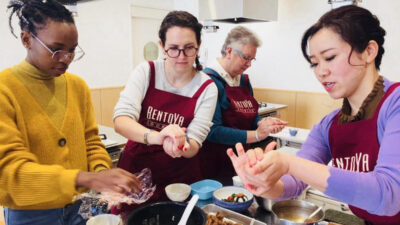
(61, 54)
(175, 52)
(247, 59)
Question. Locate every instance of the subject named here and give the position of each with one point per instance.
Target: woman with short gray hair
(236, 115)
(240, 36)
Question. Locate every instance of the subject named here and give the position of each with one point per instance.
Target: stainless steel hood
(237, 11)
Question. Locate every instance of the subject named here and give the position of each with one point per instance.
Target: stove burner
(262, 104)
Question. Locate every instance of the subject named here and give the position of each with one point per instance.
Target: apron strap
(152, 75)
(387, 94)
(246, 80)
(201, 89)
(212, 73)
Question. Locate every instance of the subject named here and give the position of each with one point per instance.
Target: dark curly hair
(357, 26)
(181, 19)
(33, 14)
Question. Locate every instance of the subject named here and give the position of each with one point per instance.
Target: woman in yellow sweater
(49, 143)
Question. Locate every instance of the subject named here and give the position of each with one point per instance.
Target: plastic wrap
(94, 203)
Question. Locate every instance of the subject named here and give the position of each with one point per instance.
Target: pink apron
(159, 109)
(359, 141)
(240, 114)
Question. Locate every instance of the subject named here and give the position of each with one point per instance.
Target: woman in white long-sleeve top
(166, 109)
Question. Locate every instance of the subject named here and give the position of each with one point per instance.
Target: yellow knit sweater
(39, 162)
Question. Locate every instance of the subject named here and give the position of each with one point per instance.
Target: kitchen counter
(269, 110)
(112, 139)
(285, 139)
(114, 142)
(257, 212)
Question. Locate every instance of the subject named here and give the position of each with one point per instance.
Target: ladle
(312, 214)
(188, 210)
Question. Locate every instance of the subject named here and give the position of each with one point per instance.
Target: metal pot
(265, 203)
(294, 212)
(165, 213)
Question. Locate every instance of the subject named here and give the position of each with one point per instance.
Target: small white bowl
(237, 181)
(104, 219)
(177, 192)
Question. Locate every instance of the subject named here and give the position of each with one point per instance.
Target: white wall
(105, 34)
(104, 28)
(280, 63)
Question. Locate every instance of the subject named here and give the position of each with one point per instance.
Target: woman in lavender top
(362, 138)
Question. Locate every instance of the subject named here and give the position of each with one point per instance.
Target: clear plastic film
(94, 203)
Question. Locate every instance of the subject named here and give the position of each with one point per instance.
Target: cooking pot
(265, 203)
(294, 212)
(165, 213)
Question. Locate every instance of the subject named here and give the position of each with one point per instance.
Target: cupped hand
(270, 125)
(112, 180)
(173, 140)
(247, 166)
(172, 149)
(267, 171)
(254, 156)
(239, 161)
(241, 164)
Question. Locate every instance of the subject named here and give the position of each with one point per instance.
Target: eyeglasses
(175, 52)
(61, 54)
(248, 59)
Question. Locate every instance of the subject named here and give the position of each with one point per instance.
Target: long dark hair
(181, 19)
(357, 26)
(33, 14)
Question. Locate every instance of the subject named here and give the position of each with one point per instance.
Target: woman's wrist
(82, 179)
(256, 136)
(154, 138)
(146, 137)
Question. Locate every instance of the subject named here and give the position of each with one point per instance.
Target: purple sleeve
(377, 191)
(315, 148)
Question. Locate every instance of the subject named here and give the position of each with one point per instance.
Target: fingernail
(185, 149)
(180, 147)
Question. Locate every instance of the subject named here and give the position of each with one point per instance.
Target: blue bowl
(205, 188)
(225, 192)
(292, 132)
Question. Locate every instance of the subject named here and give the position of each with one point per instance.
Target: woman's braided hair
(33, 14)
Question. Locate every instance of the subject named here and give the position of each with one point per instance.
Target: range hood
(237, 11)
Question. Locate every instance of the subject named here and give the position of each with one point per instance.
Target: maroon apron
(159, 109)
(240, 114)
(358, 141)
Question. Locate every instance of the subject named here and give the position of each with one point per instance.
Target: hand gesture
(112, 180)
(269, 125)
(266, 169)
(242, 164)
(255, 169)
(174, 140)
